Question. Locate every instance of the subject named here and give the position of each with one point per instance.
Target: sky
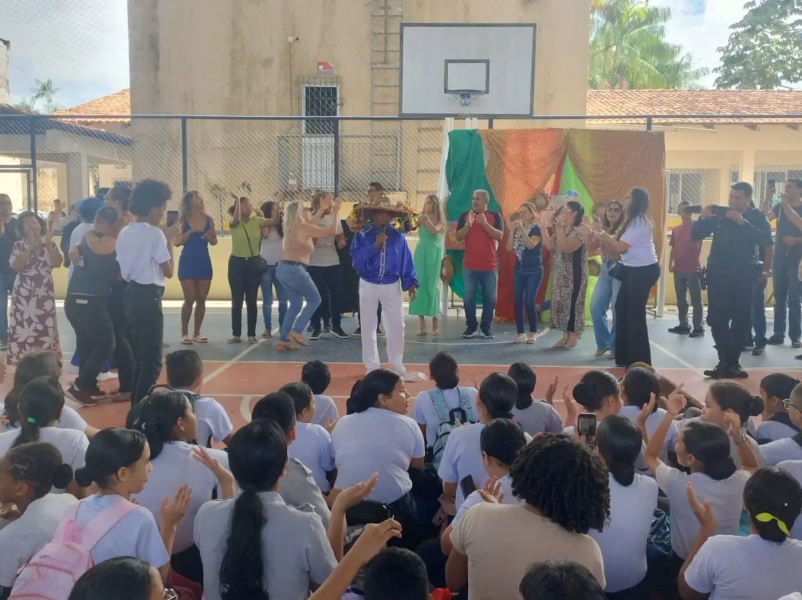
(82, 45)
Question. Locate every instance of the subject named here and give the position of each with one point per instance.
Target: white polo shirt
(462, 458)
(324, 407)
(212, 418)
(771, 431)
(424, 413)
(781, 450)
(70, 443)
(652, 421)
(312, 446)
(794, 467)
(141, 250)
(69, 419)
(538, 418)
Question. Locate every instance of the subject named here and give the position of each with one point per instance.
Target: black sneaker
(310, 328)
(315, 334)
(680, 329)
(470, 332)
(358, 331)
(327, 329)
(798, 357)
(697, 333)
(736, 372)
(775, 340)
(795, 343)
(720, 371)
(488, 335)
(82, 397)
(338, 332)
(759, 351)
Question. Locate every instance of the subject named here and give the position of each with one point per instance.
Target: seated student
(494, 545)
(598, 393)
(122, 578)
(637, 389)
(633, 500)
(317, 376)
(27, 474)
(39, 363)
(41, 404)
(312, 443)
(167, 420)
(463, 454)
(433, 407)
(704, 449)
(396, 574)
(350, 403)
(776, 424)
(794, 467)
(297, 485)
(560, 580)
(789, 448)
(185, 374)
(764, 564)
(533, 415)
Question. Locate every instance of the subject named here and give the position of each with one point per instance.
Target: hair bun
(755, 406)
(62, 477)
(583, 392)
(84, 477)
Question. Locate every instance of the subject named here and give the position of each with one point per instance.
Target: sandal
(422, 332)
(520, 339)
(186, 340)
(561, 343)
(252, 340)
(235, 340)
(531, 338)
(296, 338)
(200, 339)
(267, 334)
(435, 332)
(600, 353)
(288, 345)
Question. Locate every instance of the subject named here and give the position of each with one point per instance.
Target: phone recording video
(172, 217)
(586, 428)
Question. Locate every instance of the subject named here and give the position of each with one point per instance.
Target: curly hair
(563, 480)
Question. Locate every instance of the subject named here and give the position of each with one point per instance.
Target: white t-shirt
(141, 250)
(726, 501)
(312, 446)
(213, 420)
(463, 458)
(424, 413)
(652, 421)
(325, 252)
(136, 534)
(746, 568)
(377, 440)
(781, 450)
(539, 417)
(173, 468)
(623, 539)
(71, 443)
(272, 247)
(794, 467)
(774, 430)
(69, 419)
(641, 252)
(76, 237)
(324, 407)
(475, 498)
(23, 538)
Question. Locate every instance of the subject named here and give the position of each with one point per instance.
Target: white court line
(236, 359)
(681, 361)
(464, 341)
(245, 408)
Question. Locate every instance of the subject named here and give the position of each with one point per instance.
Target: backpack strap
(98, 526)
(439, 402)
(466, 404)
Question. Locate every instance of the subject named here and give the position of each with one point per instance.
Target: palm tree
(42, 90)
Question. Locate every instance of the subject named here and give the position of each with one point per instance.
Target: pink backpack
(53, 571)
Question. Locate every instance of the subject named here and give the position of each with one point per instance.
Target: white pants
(370, 295)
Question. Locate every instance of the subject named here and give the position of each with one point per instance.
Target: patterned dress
(32, 319)
(568, 287)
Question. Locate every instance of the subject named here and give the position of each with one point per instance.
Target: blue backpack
(448, 419)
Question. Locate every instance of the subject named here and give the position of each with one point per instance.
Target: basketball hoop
(466, 97)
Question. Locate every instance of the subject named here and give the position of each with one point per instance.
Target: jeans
(329, 283)
(244, 283)
(604, 294)
(471, 280)
(524, 289)
(6, 285)
(299, 285)
(684, 283)
(729, 306)
(632, 339)
(786, 295)
(269, 280)
(758, 316)
(143, 310)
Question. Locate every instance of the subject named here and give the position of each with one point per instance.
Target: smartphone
(172, 217)
(772, 184)
(586, 428)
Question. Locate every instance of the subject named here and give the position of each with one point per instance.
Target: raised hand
(702, 512)
(675, 403)
(328, 424)
(647, 410)
(733, 425)
(373, 538)
(173, 509)
(356, 493)
(570, 405)
(491, 491)
(381, 240)
(219, 471)
(552, 389)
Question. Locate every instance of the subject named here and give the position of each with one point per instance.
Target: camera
(718, 211)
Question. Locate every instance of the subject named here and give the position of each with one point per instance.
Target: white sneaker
(531, 338)
(520, 339)
(107, 376)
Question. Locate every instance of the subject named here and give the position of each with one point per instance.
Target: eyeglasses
(169, 595)
(787, 405)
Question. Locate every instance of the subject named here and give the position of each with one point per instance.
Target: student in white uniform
(443, 370)
(122, 578)
(794, 467)
(560, 579)
(776, 423)
(633, 500)
(704, 449)
(317, 376)
(185, 374)
(764, 564)
(167, 420)
(118, 461)
(637, 389)
(296, 485)
(41, 404)
(788, 448)
(598, 393)
(255, 545)
(27, 474)
(39, 363)
(312, 443)
(534, 416)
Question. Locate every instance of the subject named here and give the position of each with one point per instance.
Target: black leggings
(244, 283)
(632, 334)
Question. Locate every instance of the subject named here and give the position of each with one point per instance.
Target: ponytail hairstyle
(773, 499)
(350, 403)
(41, 403)
(778, 385)
(502, 439)
(39, 464)
(525, 379)
(109, 451)
(730, 395)
(257, 455)
(39, 363)
(157, 417)
(619, 442)
(593, 388)
(638, 386)
(379, 382)
(444, 371)
(638, 209)
(498, 393)
(710, 445)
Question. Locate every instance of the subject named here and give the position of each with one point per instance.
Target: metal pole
(336, 157)
(490, 123)
(184, 166)
(648, 123)
(32, 125)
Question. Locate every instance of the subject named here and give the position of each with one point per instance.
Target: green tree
(43, 90)
(628, 49)
(764, 51)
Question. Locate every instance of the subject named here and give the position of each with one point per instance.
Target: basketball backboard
(456, 69)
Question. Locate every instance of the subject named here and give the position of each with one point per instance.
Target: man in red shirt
(684, 262)
(482, 230)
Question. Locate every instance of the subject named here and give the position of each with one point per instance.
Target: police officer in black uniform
(732, 273)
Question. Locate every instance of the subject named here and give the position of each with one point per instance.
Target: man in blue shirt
(381, 257)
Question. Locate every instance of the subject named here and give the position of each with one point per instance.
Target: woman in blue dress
(194, 265)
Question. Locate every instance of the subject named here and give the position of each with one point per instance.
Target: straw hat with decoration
(406, 217)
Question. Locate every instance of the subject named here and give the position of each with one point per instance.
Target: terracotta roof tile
(118, 103)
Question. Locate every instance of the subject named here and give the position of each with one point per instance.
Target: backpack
(53, 571)
(448, 419)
